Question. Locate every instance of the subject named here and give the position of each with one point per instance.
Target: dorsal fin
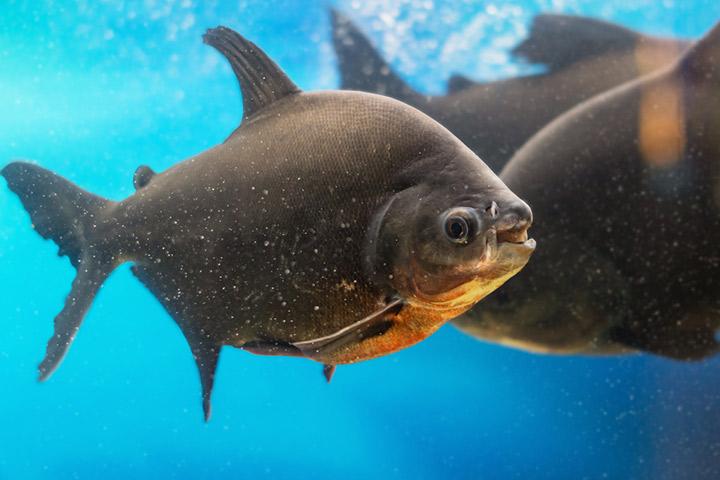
(262, 82)
(457, 83)
(361, 66)
(143, 175)
(702, 60)
(558, 41)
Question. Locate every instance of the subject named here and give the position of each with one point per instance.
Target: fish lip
(516, 236)
(528, 245)
(506, 241)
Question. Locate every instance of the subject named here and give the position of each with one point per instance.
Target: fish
(334, 226)
(583, 57)
(626, 191)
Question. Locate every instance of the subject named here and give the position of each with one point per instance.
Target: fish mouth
(504, 245)
(520, 245)
(512, 236)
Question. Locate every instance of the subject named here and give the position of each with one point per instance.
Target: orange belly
(410, 326)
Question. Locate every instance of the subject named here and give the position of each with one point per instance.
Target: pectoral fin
(376, 323)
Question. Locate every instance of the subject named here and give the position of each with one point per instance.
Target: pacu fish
(627, 187)
(336, 226)
(583, 57)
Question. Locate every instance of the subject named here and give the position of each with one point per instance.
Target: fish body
(583, 57)
(626, 187)
(287, 229)
(335, 226)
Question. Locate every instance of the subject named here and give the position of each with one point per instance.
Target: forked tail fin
(68, 215)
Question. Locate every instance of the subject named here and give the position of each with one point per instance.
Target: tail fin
(361, 66)
(558, 41)
(66, 214)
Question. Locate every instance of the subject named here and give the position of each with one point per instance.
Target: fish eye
(460, 226)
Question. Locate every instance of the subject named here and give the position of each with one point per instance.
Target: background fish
(583, 56)
(626, 189)
(337, 226)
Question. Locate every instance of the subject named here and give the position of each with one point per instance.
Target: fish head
(452, 237)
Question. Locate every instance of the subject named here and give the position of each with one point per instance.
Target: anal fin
(205, 350)
(206, 357)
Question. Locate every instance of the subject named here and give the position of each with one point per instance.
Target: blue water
(93, 89)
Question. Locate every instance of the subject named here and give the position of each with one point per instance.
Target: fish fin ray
(66, 214)
(87, 283)
(377, 323)
(59, 210)
(206, 355)
(361, 66)
(272, 348)
(262, 82)
(204, 349)
(559, 41)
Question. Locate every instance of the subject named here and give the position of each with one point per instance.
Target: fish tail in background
(361, 66)
(63, 212)
(558, 41)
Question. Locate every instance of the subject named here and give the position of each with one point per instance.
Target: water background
(92, 89)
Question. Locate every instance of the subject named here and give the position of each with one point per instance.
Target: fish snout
(512, 221)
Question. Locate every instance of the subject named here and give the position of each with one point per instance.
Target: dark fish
(627, 187)
(583, 56)
(337, 226)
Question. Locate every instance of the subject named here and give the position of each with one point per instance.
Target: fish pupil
(457, 229)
